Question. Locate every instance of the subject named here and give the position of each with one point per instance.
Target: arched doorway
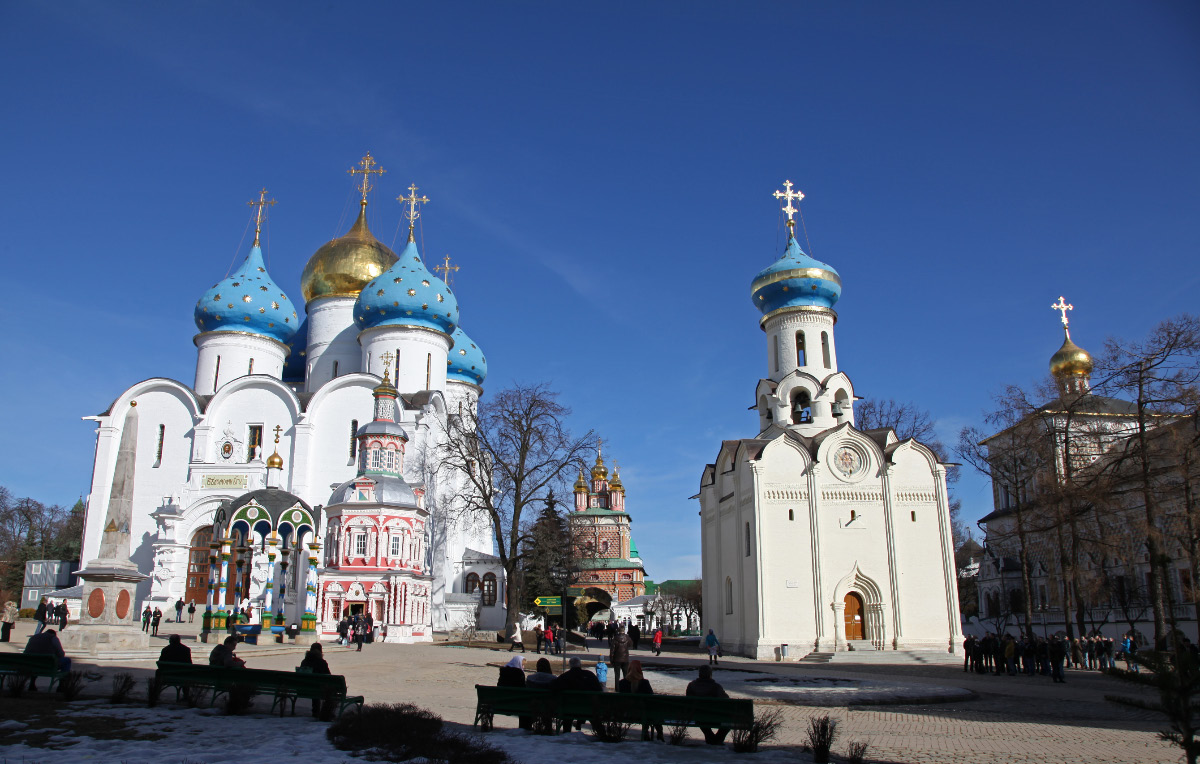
(854, 616)
(198, 562)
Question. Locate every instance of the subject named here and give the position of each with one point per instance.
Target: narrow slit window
(428, 370)
(775, 349)
(162, 436)
(825, 348)
(353, 438)
(914, 515)
(254, 441)
(250, 367)
(217, 373)
(801, 359)
(749, 541)
(335, 369)
(791, 514)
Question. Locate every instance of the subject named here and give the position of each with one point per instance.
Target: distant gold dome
(1071, 360)
(580, 484)
(599, 471)
(615, 484)
(342, 267)
(275, 461)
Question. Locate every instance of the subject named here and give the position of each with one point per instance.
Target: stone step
(816, 658)
(860, 646)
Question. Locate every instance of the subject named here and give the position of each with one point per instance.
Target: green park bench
(569, 706)
(32, 666)
(284, 686)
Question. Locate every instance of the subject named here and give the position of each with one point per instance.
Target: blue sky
(602, 173)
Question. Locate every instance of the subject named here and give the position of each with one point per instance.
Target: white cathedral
(309, 443)
(815, 534)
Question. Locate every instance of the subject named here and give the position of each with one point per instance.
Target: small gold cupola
(581, 484)
(1071, 365)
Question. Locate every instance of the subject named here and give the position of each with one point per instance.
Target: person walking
(618, 655)
(658, 637)
(8, 620)
(40, 616)
(516, 639)
(635, 635)
(191, 611)
(156, 619)
(146, 614)
(539, 636)
(1131, 649)
(61, 613)
(359, 637)
(714, 649)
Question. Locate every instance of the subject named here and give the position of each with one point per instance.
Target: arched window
(825, 348)
(801, 357)
(472, 582)
(376, 457)
(604, 546)
(626, 577)
(489, 589)
(728, 596)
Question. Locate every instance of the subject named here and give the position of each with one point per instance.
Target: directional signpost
(552, 604)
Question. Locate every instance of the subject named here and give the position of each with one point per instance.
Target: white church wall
(222, 357)
(329, 417)
(333, 348)
(419, 356)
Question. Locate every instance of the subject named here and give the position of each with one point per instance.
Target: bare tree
(507, 455)
(1161, 377)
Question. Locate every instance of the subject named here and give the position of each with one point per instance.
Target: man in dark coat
(179, 610)
(40, 616)
(175, 651)
(618, 656)
(222, 655)
(576, 677)
(1058, 654)
(706, 687)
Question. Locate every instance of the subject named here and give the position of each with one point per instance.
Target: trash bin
(293, 630)
(783, 651)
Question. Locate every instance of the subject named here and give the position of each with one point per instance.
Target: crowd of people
(356, 629)
(50, 613)
(1004, 654)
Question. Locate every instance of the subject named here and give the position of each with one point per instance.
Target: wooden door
(197, 573)
(854, 616)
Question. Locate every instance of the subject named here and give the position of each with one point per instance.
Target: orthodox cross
(413, 212)
(1062, 307)
(789, 195)
(364, 169)
(258, 215)
(277, 431)
(599, 448)
(445, 269)
(386, 357)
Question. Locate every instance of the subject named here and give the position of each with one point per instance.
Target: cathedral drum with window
(356, 397)
(815, 534)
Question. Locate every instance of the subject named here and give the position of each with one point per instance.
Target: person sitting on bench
(46, 643)
(175, 651)
(222, 655)
(707, 687)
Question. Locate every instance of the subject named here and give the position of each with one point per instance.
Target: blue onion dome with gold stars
(407, 294)
(465, 362)
(248, 300)
(296, 361)
(795, 280)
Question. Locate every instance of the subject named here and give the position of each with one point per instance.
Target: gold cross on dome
(1062, 307)
(258, 215)
(278, 429)
(599, 448)
(413, 212)
(789, 196)
(386, 357)
(364, 169)
(446, 268)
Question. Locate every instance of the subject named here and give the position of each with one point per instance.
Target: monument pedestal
(109, 619)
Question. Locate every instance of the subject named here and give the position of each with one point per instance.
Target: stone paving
(1013, 719)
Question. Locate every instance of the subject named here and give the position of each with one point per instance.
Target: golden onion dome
(580, 484)
(599, 471)
(615, 484)
(342, 267)
(275, 461)
(1071, 360)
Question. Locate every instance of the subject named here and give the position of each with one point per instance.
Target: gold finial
(413, 212)
(275, 461)
(364, 169)
(1062, 307)
(387, 365)
(599, 449)
(258, 215)
(789, 195)
(446, 269)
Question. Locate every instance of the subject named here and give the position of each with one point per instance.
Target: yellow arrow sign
(547, 601)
